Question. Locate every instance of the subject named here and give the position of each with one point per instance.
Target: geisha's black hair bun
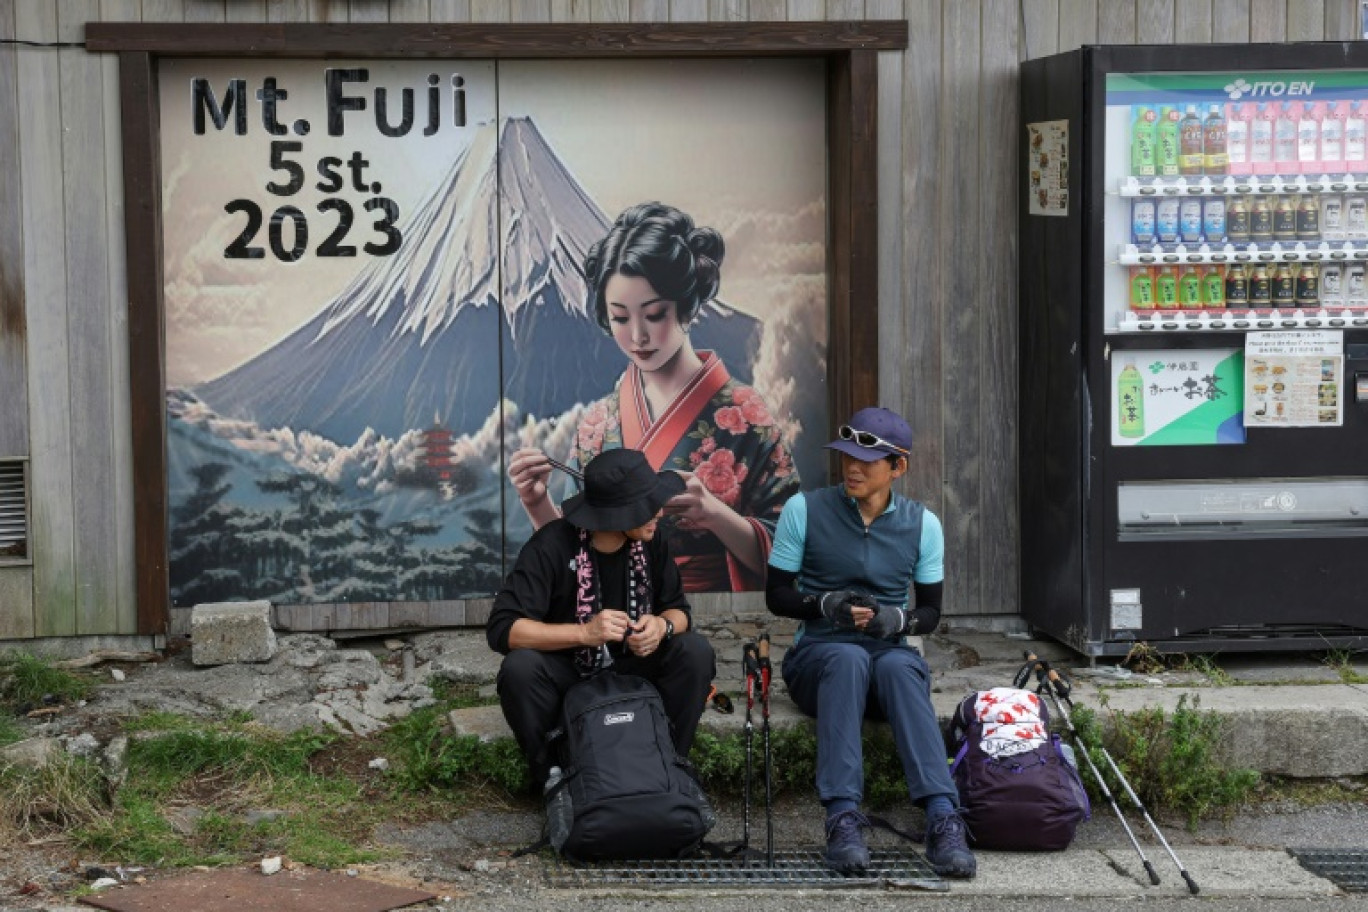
(660, 244)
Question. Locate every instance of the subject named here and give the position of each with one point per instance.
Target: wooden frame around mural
(852, 109)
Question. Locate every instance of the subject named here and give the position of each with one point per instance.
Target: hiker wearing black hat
(845, 560)
(598, 588)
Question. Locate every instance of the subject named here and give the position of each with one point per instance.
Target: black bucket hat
(621, 492)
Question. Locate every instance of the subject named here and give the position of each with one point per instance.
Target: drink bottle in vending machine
(1285, 137)
(1332, 137)
(1214, 158)
(1214, 219)
(1142, 142)
(1213, 288)
(1355, 139)
(1308, 137)
(1166, 163)
(1238, 119)
(1190, 129)
(1261, 128)
(1237, 286)
(1142, 222)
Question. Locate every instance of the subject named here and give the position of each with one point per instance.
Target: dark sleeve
(783, 598)
(667, 587)
(926, 614)
(526, 593)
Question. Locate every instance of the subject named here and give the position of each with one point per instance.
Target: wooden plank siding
(14, 429)
(943, 145)
(46, 300)
(88, 340)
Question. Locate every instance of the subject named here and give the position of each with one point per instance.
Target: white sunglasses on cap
(868, 440)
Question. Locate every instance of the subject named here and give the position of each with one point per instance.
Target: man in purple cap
(845, 561)
(596, 588)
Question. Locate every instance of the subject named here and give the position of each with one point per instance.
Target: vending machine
(1193, 437)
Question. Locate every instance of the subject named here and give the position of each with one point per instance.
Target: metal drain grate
(792, 868)
(1346, 868)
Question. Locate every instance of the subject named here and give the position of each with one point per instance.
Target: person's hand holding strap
(889, 620)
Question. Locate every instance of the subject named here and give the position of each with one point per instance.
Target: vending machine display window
(1236, 202)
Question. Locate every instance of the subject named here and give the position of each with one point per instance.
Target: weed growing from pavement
(1171, 760)
(27, 680)
(1206, 666)
(65, 792)
(1341, 661)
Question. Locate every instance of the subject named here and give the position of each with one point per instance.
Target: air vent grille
(13, 512)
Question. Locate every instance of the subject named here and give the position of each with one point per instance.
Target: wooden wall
(948, 253)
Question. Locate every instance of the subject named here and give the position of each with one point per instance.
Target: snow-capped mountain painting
(422, 333)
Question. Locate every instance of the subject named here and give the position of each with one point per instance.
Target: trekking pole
(750, 665)
(763, 654)
(1054, 679)
(1135, 799)
(1043, 672)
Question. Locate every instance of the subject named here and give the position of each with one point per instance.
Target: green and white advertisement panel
(1168, 397)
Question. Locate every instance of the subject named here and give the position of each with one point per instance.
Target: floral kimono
(720, 430)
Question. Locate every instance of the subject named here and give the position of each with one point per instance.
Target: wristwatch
(669, 630)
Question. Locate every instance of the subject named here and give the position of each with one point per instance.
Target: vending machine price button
(1268, 188)
(1243, 188)
(1339, 187)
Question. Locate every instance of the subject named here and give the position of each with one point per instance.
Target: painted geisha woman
(648, 279)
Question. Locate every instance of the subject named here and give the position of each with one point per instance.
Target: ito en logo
(1267, 88)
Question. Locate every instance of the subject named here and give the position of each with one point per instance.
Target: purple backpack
(1017, 790)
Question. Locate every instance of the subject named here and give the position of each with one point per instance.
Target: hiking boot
(947, 848)
(845, 849)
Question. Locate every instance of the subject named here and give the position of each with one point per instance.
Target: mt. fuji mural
(485, 300)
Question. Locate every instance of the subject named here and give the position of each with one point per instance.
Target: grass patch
(10, 730)
(222, 771)
(429, 757)
(1171, 760)
(721, 763)
(64, 793)
(27, 679)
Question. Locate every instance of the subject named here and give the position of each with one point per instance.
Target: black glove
(836, 606)
(889, 620)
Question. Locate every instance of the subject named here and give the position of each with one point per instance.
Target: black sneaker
(845, 849)
(948, 849)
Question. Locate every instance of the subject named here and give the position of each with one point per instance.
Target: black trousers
(532, 685)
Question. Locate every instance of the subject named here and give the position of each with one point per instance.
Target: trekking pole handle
(1060, 686)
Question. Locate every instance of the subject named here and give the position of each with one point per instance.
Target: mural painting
(381, 286)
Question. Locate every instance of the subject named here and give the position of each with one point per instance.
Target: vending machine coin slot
(1361, 387)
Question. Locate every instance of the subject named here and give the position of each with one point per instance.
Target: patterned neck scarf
(588, 601)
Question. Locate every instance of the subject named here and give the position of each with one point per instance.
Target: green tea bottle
(1130, 401)
(1142, 142)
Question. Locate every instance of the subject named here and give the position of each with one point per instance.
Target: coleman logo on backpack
(618, 718)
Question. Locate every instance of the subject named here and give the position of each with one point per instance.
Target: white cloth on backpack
(1011, 721)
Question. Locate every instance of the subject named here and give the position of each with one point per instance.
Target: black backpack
(629, 795)
(1017, 790)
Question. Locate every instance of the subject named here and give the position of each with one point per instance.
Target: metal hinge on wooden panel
(14, 524)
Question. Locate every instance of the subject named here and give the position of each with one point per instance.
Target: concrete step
(1287, 714)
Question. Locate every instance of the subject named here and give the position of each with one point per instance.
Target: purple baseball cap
(872, 434)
